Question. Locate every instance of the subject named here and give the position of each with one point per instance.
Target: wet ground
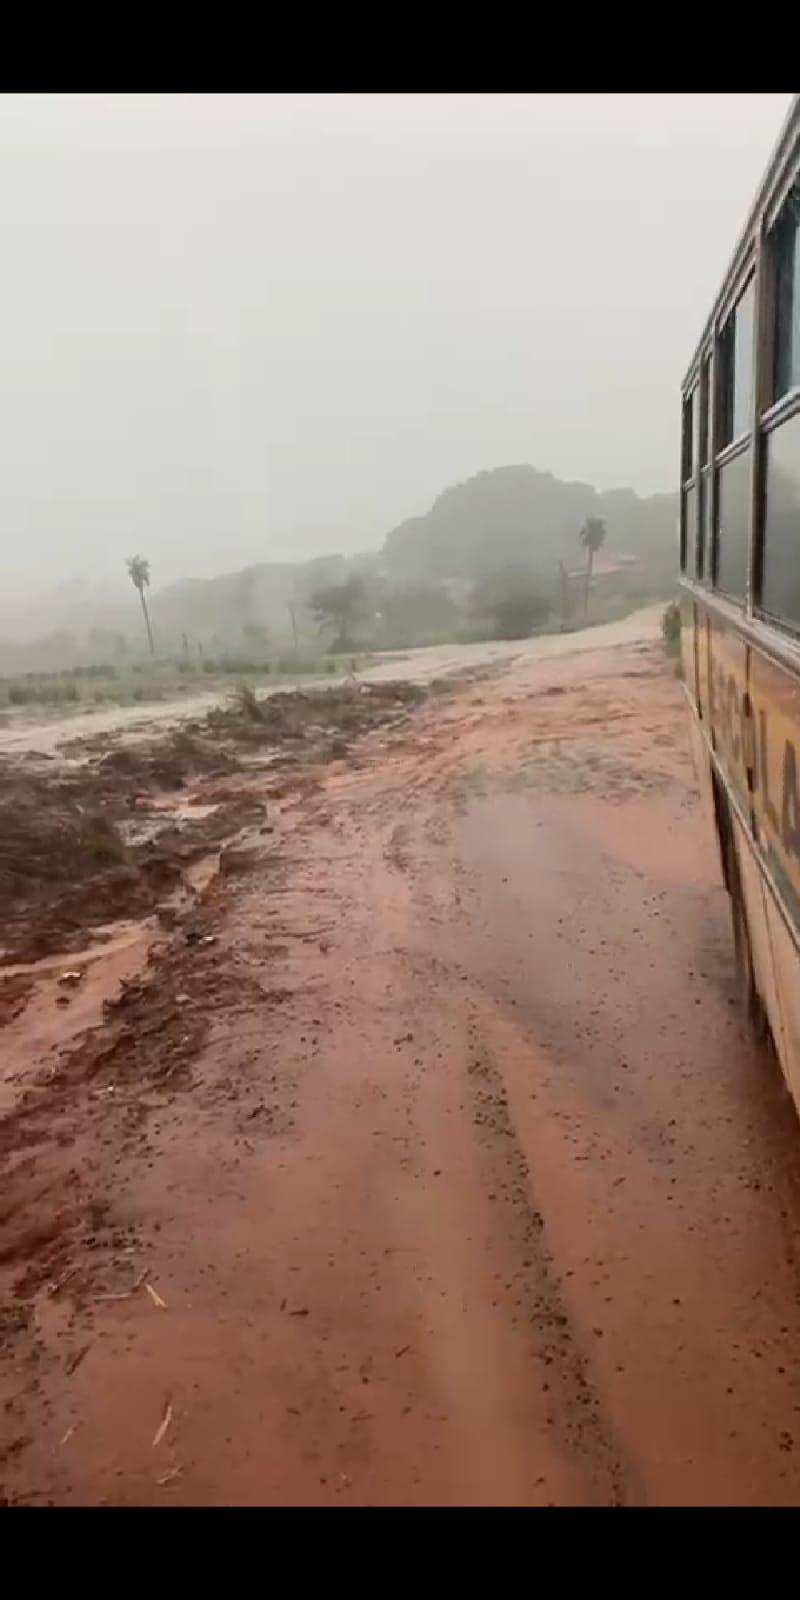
(20, 732)
(420, 1157)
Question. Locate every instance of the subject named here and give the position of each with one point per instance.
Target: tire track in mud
(654, 1124)
(662, 1146)
(575, 1411)
(560, 1366)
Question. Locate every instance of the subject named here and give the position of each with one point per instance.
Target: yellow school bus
(740, 592)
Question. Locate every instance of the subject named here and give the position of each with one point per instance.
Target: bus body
(740, 592)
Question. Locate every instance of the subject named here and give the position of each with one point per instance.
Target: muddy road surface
(422, 1159)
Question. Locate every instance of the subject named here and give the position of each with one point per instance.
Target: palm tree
(139, 574)
(592, 535)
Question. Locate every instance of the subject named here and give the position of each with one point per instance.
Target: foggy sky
(249, 328)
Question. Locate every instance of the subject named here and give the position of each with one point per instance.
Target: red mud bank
(416, 1156)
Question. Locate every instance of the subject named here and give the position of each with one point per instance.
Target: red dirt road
(465, 1186)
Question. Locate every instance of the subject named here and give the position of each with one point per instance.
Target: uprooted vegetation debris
(91, 841)
(108, 831)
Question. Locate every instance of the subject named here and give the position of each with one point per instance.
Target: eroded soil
(416, 1155)
(109, 832)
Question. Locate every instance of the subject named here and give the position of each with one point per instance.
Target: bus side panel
(728, 685)
(787, 979)
(689, 645)
(775, 698)
(758, 901)
(704, 666)
(734, 727)
(701, 761)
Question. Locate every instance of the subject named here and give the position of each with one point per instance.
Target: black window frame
(690, 435)
(780, 402)
(785, 412)
(705, 470)
(741, 448)
(726, 388)
(706, 420)
(778, 235)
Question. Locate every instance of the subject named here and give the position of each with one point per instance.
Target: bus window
(736, 370)
(780, 568)
(689, 435)
(787, 295)
(689, 539)
(704, 430)
(733, 525)
(704, 546)
(703, 436)
(690, 446)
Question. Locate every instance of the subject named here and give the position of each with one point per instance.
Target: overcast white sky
(241, 328)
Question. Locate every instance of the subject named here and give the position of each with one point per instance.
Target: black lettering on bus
(733, 719)
(721, 708)
(769, 808)
(748, 741)
(790, 803)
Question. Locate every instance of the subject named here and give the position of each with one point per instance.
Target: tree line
(510, 602)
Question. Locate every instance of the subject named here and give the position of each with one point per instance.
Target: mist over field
(244, 332)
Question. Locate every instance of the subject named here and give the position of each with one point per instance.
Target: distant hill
(513, 518)
(517, 517)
